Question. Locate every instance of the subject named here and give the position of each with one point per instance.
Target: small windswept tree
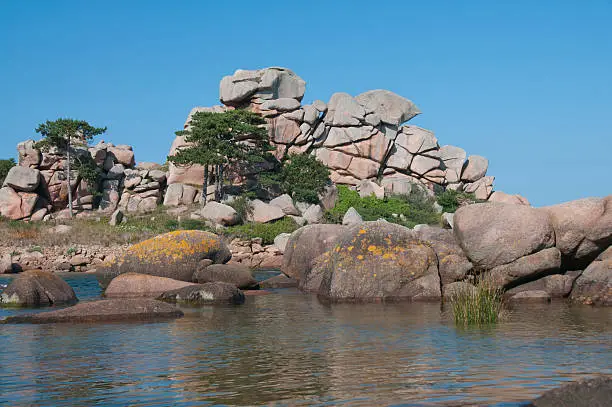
(5, 167)
(234, 137)
(62, 134)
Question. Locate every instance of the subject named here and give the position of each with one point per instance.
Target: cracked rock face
(358, 138)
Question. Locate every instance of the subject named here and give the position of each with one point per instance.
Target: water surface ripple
(288, 349)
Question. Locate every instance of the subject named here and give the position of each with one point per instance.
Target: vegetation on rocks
(481, 306)
(304, 178)
(61, 134)
(451, 200)
(266, 231)
(5, 166)
(217, 140)
(407, 210)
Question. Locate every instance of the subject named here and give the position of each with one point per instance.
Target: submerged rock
(104, 311)
(238, 275)
(204, 294)
(35, 288)
(141, 285)
(280, 281)
(596, 392)
(175, 255)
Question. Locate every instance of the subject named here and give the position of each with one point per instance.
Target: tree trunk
(218, 184)
(68, 179)
(205, 186)
(221, 183)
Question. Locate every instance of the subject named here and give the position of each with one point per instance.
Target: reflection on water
(288, 349)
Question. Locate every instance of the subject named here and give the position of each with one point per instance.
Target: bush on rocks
(407, 210)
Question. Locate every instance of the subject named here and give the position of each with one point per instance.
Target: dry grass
(92, 231)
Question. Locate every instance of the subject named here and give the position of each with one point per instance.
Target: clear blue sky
(527, 84)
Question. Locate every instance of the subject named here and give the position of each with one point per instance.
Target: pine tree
(61, 134)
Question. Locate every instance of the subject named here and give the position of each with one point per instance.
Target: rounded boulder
(175, 255)
(141, 285)
(238, 275)
(35, 288)
(379, 261)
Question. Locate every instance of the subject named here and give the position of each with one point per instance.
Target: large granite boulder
(528, 268)
(583, 229)
(594, 286)
(219, 213)
(22, 179)
(205, 294)
(594, 392)
(113, 310)
(263, 213)
(17, 205)
(453, 265)
(474, 168)
(388, 106)
(493, 234)
(235, 274)
(502, 197)
(303, 248)
(141, 285)
(175, 255)
(35, 288)
(379, 261)
(556, 285)
(269, 83)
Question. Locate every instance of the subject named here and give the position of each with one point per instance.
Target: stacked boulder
(37, 188)
(358, 138)
(143, 188)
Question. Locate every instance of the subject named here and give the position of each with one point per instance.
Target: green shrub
(413, 209)
(266, 231)
(451, 200)
(304, 178)
(5, 166)
(481, 306)
(243, 206)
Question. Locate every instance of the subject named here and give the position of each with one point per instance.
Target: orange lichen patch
(362, 231)
(360, 257)
(350, 248)
(173, 246)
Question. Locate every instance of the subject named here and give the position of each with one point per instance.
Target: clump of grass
(482, 305)
(33, 249)
(243, 206)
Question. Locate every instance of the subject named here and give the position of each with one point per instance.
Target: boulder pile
(37, 189)
(358, 138)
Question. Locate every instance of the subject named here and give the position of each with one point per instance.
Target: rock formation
(359, 138)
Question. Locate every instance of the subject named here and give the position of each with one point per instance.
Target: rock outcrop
(379, 261)
(35, 288)
(358, 138)
(594, 392)
(112, 310)
(304, 247)
(175, 255)
(594, 286)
